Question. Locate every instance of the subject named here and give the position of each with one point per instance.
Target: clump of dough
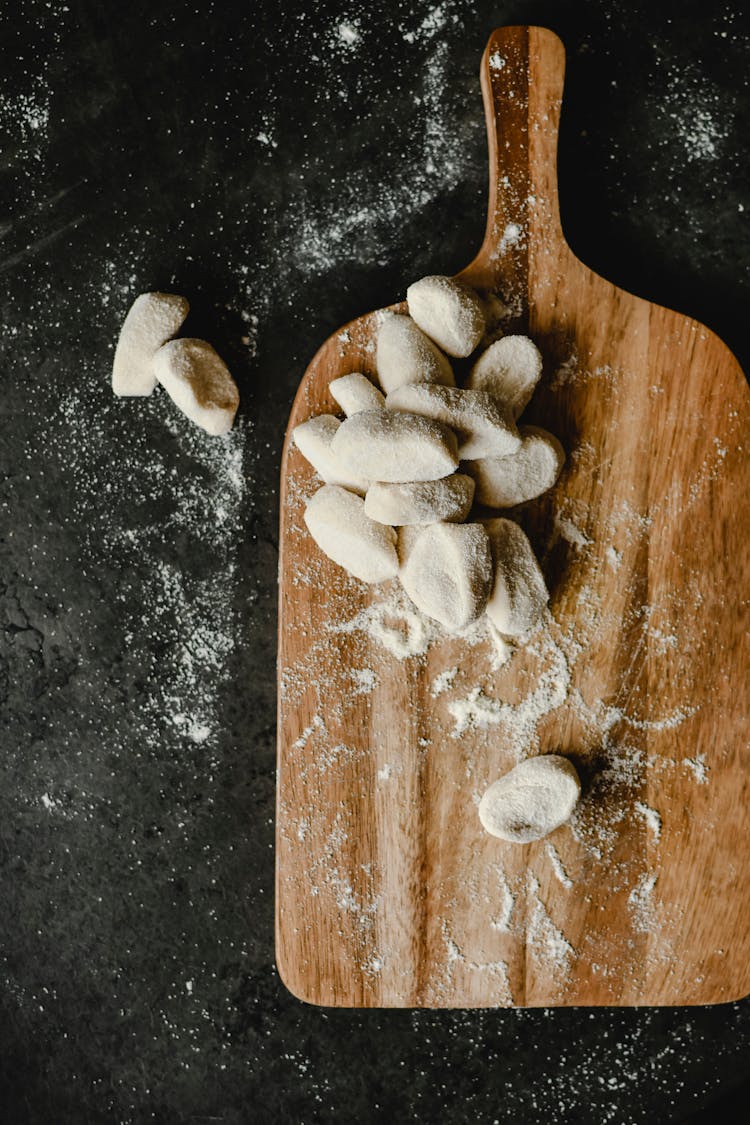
(532, 800)
(503, 482)
(198, 381)
(355, 393)
(418, 502)
(509, 370)
(519, 594)
(153, 319)
(337, 521)
(449, 312)
(313, 439)
(406, 355)
(482, 428)
(387, 445)
(446, 569)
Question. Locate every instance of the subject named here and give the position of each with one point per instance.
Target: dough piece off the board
(198, 381)
(313, 439)
(509, 370)
(415, 502)
(482, 427)
(503, 482)
(405, 355)
(153, 319)
(531, 800)
(519, 593)
(446, 569)
(450, 313)
(355, 393)
(337, 521)
(390, 446)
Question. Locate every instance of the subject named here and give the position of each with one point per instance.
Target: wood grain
(388, 891)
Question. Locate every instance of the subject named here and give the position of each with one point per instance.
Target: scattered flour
(443, 682)
(641, 906)
(557, 865)
(652, 819)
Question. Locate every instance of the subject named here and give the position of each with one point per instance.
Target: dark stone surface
(284, 179)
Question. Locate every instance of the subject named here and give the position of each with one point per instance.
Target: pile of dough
(532, 800)
(416, 502)
(153, 319)
(446, 569)
(519, 593)
(389, 446)
(337, 521)
(404, 459)
(482, 427)
(405, 355)
(191, 372)
(503, 482)
(448, 312)
(313, 439)
(355, 393)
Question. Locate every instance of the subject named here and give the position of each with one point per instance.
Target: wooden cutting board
(388, 891)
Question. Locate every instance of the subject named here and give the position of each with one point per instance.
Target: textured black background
(285, 173)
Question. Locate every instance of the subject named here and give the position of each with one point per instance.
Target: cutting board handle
(522, 82)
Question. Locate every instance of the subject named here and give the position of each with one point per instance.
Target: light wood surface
(389, 893)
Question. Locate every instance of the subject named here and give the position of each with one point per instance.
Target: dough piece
(483, 429)
(153, 319)
(418, 502)
(532, 800)
(198, 381)
(509, 370)
(355, 393)
(446, 569)
(449, 312)
(313, 439)
(337, 522)
(387, 445)
(519, 594)
(503, 482)
(406, 355)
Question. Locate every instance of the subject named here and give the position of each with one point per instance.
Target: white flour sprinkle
(651, 817)
(641, 905)
(443, 682)
(557, 865)
(698, 768)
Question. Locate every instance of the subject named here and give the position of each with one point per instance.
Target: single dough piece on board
(406, 355)
(313, 439)
(482, 428)
(450, 313)
(446, 570)
(417, 502)
(198, 381)
(509, 370)
(337, 521)
(355, 393)
(390, 446)
(531, 800)
(503, 482)
(153, 319)
(519, 593)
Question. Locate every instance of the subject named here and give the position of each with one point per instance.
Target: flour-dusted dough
(418, 502)
(406, 355)
(509, 370)
(446, 570)
(313, 439)
(337, 521)
(450, 313)
(519, 595)
(198, 381)
(153, 319)
(532, 800)
(355, 393)
(390, 446)
(482, 428)
(503, 482)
